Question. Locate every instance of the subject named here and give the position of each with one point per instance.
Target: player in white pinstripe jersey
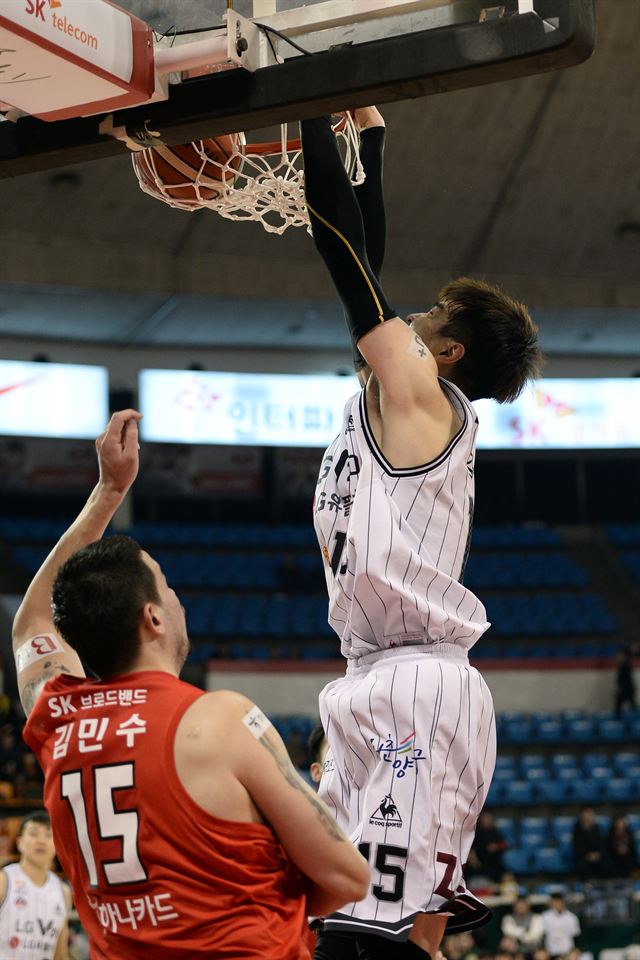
(34, 902)
(410, 727)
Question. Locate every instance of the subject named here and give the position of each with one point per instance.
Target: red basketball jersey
(153, 874)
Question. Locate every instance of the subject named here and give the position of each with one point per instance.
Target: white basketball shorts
(412, 748)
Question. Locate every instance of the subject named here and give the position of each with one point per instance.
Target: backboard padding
(410, 65)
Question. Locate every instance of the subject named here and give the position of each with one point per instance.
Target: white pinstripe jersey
(395, 542)
(31, 917)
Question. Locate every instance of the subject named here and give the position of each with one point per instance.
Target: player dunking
(177, 815)
(411, 727)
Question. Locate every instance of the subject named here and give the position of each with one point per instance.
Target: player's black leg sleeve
(338, 229)
(335, 946)
(380, 948)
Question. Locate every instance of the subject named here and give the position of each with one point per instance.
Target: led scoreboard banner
(306, 411)
(60, 400)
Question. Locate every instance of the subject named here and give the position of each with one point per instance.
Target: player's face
(429, 326)
(176, 623)
(36, 845)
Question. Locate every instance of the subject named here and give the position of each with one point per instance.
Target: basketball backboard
(209, 70)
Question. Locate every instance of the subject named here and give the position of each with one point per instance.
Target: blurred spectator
(488, 848)
(523, 926)
(561, 927)
(621, 853)
(588, 846)
(509, 886)
(317, 747)
(11, 766)
(625, 684)
(460, 946)
(36, 903)
(541, 954)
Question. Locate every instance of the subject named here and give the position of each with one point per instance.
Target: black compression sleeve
(370, 196)
(338, 229)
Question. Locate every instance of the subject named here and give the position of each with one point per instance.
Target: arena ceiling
(532, 183)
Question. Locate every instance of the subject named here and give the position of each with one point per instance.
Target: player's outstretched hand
(365, 117)
(118, 451)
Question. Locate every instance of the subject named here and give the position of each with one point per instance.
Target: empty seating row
(580, 790)
(18, 529)
(568, 766)
(558, 830)
(263, 570)
(523, 861)
(524, 569)
(533, 648)
(537, 614)
(586, 728)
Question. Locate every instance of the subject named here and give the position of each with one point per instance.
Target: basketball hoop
(254, 181)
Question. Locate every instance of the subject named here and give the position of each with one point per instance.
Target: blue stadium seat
(626, 759)
(594, 759)
(533, 841)
(496, 793)
(504, 774)
(620, 790)
(611, 730)
(550, 731)
(529, 760)
(554, 792)
(579, 730)
(507, 826)
(516, 731)
(518, 793)
(533, 825)
(518, 861)
(563, 760)
(561, 825)
(586, 791)
(551, 860)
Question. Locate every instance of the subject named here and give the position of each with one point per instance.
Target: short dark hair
(499, 337)
(97, 598)
(38, 816)
(314, 743)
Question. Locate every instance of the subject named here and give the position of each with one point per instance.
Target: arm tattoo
(31, 691)
(286, 769)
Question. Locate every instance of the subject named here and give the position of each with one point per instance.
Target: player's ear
(315, 771)
(151, 619)
(451, 351)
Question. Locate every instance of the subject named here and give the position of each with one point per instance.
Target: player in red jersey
(178, 818)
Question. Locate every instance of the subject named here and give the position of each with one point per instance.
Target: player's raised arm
(40, 653)
(349, 236)
(335, 871)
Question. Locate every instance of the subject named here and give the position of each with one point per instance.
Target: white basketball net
(264, 186)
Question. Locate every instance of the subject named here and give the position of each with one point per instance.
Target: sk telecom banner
(52, 400)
